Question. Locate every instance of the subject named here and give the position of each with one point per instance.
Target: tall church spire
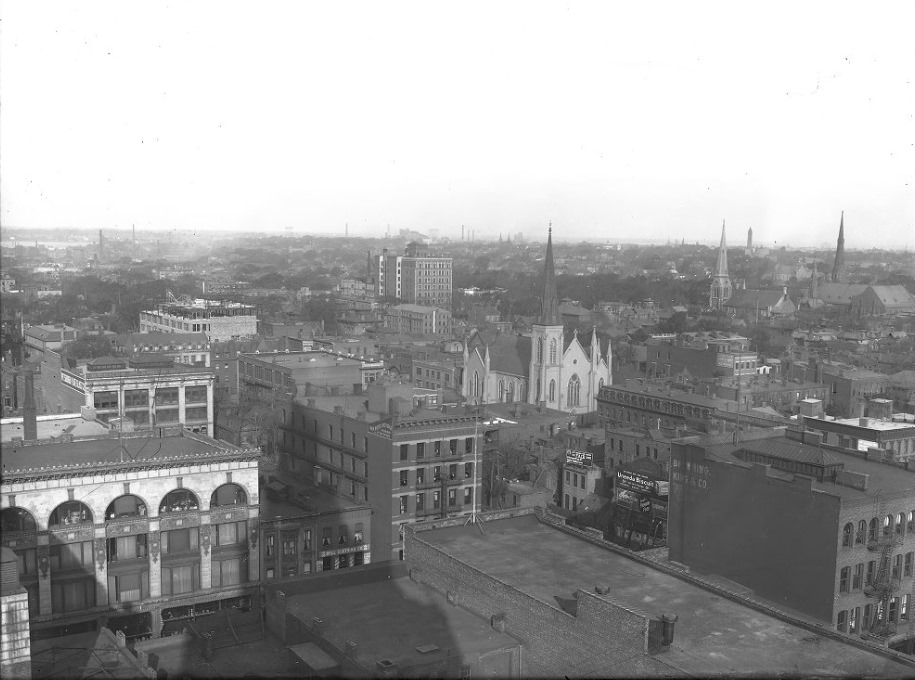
(549, 303)
(721, 281)
(838, 269)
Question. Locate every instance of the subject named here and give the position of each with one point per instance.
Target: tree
(88, 347)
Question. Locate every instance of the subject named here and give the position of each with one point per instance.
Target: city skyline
(609, 121)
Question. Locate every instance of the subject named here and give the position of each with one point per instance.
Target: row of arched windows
(658, 405)
(867, 532)
(128, 505)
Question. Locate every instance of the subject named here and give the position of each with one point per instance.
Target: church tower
(721, 281)
(838, 269)
(547, 340)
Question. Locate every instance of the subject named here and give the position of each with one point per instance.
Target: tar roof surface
(713, 636)
(17, 458)
(389, 619)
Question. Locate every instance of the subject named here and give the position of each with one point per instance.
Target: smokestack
(29, 416)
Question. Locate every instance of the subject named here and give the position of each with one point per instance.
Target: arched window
(887, 525)
(600, 384)
(552, 390)
(911, 523)
(862, 532)
(539, 393)
(17, 519)
(872, 531)
(900, 524)
(179, 500)
(70, 512)
(553, 351)
(476, 384)
(228, 494)
(539, 350)
(511, 391)
(574, 396)
(127, 505)
(846, 535)
(501, 390)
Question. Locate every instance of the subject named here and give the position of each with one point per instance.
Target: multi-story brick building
(184, 348)
(149, 390)
(219, 319)
(416, 277)
(820, 529)
(410, 319)
(306, 529)
(137, 529)
(308, 372)
(412, 463)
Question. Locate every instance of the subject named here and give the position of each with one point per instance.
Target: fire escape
(884, 583)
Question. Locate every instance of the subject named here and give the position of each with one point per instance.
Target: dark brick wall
(556, 643)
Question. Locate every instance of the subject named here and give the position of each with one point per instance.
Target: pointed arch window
(511, 392)
(552, 390)
(539, 350)
(476, 384)
(574, 395)
(501, 390)
(553, 351)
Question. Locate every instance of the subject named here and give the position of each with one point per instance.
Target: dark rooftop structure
(714, 635)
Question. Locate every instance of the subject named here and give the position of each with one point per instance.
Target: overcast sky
(612, 120)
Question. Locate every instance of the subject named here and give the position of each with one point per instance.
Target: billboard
(583, 458)
(635, 481)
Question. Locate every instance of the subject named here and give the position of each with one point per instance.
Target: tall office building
(416, 277)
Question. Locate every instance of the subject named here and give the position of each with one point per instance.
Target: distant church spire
(721, 281)
(549, 304)
(838, 269)
(750, 238)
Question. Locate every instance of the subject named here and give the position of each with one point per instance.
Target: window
(468, 470)
(231, 533)
(195, 394)
(452, 497)
(893, 612)
(842, 622)
(872, 531)
(330, 432)
(270, 545)
(105, 400)
(452, 472)
(568, 477)
(910, 524)
(70, 596)
(166, 396)
(420, 501)
(843, 579)
(437, 449)
(847, 535)
(904, 608)
(553, 351)
(404, 451)
(871, 570)
(862, 532)
(127, 548)
(420, 450)
(468, 445)
(136, 398)
(420, 475)
(854, 617)
(552, 390)
(468, 495)
(64, 556)
(452, 446)
(900, 524)
(306, 540)
(403, 505)
(403, 478)
(897, 567)
(436, 500)
(573, 398)
(70, 512)
(179, 500)
(908, 564)
(343, 535)
(180, 541)
(858, 577)
(358, 534)
(128, 587)
(183, 579)
(230, 572)
(437, 473)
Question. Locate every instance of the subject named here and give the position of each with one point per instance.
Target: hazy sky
(612, 120)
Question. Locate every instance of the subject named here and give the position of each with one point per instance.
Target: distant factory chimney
(749, 238)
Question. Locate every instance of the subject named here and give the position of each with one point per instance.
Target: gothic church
(545, 369)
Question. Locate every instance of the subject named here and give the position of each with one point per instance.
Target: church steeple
(549, 303)
(721, 281)
(838, 269)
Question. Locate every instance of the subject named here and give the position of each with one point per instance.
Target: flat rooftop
(390, 619)
(313, 499)
(94, 453)
(713, 636)
(874, 423)
(53, 426)
(305, 359)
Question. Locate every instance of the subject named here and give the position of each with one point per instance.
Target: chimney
(29, 416)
